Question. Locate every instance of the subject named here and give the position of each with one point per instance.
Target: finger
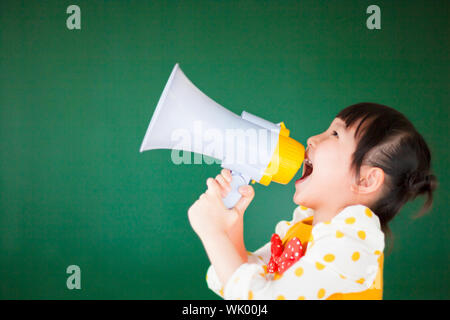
(213, 187)
(224, 185)
(248, 193)
(226, 174)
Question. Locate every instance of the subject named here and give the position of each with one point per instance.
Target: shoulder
(358, 215)
(350, 243)
(356, 222)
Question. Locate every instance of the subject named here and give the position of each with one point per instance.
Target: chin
(299, 199)
(306, 199)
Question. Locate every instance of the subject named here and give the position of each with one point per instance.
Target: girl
(356, 177)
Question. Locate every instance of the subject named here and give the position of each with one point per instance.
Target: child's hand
(209, 215)
(247, 192)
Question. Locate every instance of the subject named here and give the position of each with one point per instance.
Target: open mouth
(307, 169)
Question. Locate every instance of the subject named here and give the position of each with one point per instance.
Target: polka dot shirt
(341, 257)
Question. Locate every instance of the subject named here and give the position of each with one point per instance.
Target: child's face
(329, 183)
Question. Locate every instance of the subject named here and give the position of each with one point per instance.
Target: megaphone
(254, 149)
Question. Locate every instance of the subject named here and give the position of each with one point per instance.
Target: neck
(325, 213)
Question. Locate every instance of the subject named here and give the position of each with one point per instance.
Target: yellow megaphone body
(253, 148)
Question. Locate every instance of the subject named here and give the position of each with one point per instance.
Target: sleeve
(259, 258)
(341, 258)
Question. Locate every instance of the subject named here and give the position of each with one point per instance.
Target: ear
(371, 180)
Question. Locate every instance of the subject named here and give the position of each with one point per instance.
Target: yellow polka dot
(301, 298)
(327, 222)
(281, 297)
(319, 266)
(329, 257)
(266, 270)
(362, 234)
(277, 276)
(342, 276)
(368, 212)
(377, 252)
(250, 295)
(355, 256)
(360, 281)
(299, 271)
(221, 292)
(321, 293)
(206, 277)
(303, 208)
(288, 223)
(350, 220)
(339, 234)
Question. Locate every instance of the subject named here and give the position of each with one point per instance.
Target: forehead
(339, 123)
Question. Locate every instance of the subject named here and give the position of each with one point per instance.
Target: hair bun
(418, 183)
(410, 179)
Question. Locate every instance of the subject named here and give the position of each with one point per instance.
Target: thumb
(248, 193)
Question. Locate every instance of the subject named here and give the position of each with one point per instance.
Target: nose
(312, 141)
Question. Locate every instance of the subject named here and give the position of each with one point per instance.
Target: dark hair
(387, 139)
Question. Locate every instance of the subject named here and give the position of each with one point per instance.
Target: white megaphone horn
(253, 149)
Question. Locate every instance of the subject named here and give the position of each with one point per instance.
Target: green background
(75, 104)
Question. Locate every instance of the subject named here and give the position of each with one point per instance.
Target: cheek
(327, 160)
(334, 167)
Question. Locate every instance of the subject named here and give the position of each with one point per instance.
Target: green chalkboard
(75, 104)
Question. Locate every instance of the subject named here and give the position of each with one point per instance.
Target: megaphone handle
(233, 196)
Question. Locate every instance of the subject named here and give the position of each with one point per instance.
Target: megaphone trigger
(237, 180)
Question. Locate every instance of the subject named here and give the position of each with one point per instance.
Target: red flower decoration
(284, 257)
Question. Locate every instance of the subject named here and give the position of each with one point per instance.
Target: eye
(334, 133)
